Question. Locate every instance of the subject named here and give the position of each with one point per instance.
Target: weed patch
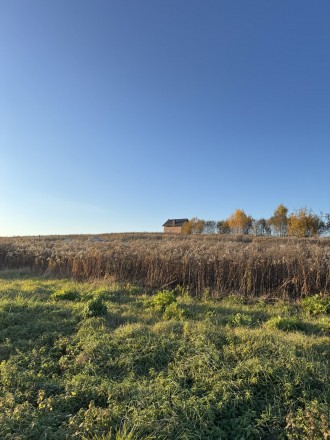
(317, 304)
(95, 307)
(241, 319)
(66, 295)
(287, 324)
(161, 300)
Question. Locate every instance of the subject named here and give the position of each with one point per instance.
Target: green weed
(95, 307)
(286, 323)
(317, 304)
(240, 319)
(174, 311)
(161, 300)
(66, 294)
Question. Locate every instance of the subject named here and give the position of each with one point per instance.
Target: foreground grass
(164, 367)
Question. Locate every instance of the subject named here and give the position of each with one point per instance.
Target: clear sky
(117, 115)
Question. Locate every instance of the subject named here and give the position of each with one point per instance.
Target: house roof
(175, 222)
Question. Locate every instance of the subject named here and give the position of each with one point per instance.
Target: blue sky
(116, 115)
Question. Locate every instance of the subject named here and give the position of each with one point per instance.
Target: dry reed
(212, 265)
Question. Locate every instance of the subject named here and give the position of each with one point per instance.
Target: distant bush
(317, 304)
(95, 307)
(66, 294)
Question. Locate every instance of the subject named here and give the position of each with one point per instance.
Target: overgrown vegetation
(115, 361)
(213, 265)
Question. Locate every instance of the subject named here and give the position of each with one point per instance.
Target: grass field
(103, 360)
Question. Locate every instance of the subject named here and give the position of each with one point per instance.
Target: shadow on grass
(16, 274)
(121, 297)
(42, 292)
(24, 326)
(294, 324)
(223, 314)
(323, 348)
(313, 329)
(114, 320)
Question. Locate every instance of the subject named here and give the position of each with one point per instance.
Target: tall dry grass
(212, 265)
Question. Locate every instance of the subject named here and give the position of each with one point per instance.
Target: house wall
(172, 229)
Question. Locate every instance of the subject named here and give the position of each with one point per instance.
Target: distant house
(174, 225)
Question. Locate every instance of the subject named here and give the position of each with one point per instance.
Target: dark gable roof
(175, 222)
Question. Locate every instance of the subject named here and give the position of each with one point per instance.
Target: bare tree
(210, 227)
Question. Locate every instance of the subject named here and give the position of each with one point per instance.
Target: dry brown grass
(213, 265)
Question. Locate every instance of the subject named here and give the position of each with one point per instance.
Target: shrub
(66, 294)
(162, 300)
(174, 311)
(316, 304)
(95, 307)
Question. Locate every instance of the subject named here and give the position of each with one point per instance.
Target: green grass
(109, 361)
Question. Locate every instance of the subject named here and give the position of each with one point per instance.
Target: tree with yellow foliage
(187, 227)
(303, 223)
(239, 222)
(279, 221)
(193, 226)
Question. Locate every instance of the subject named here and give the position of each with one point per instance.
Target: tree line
(300, 223)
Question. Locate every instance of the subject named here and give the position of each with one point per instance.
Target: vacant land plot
(103, 360)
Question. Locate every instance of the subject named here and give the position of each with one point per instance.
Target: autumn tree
(239, 222)
(193, 226)
(279, 221)
(304, 223)
(197, 225)
(223, 227)
(187, 228)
